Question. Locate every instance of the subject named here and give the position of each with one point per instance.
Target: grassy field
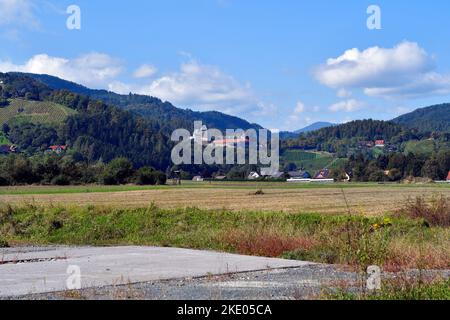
(367, 199)
(34, 111)
(352, 225)
(393, 240)
(310, 161)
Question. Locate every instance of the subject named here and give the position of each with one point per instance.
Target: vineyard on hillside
(38, 112)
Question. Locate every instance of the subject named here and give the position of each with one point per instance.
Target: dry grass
(403, 256)
(367, 200)
(435, 212)
(266, 244)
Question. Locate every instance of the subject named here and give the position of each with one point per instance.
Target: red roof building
(230, 142)
(448, 177)
(380, 143)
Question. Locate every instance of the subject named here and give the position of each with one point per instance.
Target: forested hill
(345, 136)
(150, 107)
(95, 131)
(362, 129)
(430, 119)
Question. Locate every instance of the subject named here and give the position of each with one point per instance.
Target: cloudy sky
(283, 64)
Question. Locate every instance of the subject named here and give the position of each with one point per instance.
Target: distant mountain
(151, 107)
(430, 119)
(315, 126)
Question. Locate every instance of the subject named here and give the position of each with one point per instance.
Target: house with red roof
(448, 177)
(380, 143)
(57, 149)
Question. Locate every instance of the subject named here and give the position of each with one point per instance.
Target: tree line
(53, 169)
(397, 166)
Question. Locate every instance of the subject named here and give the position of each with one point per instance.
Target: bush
(145, 176)
(4, 181)
(436, 213)
(118, 171)
(3, 103)
(161, 178)
(60, 180)
(3, 243)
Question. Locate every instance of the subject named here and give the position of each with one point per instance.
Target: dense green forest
(397, 166)
(169, 116)
(103, 127)
(430, 119)
(96, 132)
(340, 139)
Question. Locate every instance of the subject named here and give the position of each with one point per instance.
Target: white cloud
(342, 93)
(145, 71)
(197, 86)
(347, 106)
(299, 108)
(297, 117)
(405, 70)
(18, 12)
(203, 87)
(94, 69)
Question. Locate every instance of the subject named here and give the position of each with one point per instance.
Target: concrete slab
(25, 272)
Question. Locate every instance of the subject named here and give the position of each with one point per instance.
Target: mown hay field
(362, 199)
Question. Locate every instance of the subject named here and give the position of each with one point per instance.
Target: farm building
(6, 149)
(230, 142)
(271, 173)
(198, 179)
(322, 174)
(366, 144)
(253, 176)
(57, 149)
(299, 174)
(380, 143)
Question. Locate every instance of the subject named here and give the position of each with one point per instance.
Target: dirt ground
(364, 200)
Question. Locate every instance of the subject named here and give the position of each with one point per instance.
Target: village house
(7, 149)
(271, 173)
(322, 174)
(230, 142)
(380, 144)
(198, 179)
(57, 149)
(253, 176)
(448, 177)
(299, 174)
(366, 144)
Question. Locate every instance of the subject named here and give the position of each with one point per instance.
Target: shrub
(118, 171)
(60, 180)
(4, 181)
(146, 176)
(435, 213)
(3, 243)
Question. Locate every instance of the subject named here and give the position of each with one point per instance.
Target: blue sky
(283, 64)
